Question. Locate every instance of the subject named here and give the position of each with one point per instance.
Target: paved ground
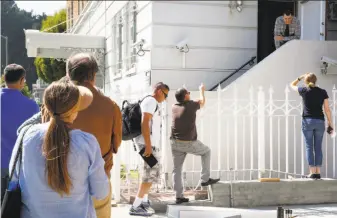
(307, 211)
(123, 212)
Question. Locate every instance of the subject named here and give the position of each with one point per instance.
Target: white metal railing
(253, 137)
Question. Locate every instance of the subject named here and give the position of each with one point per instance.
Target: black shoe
(210, 182)
(311, 176)
(182, 200)
(314, 176)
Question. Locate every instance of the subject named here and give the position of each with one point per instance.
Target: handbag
(11, 204)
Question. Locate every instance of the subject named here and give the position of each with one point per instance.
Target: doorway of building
(268, 11)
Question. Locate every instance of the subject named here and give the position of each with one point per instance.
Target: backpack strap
(123, 104)
(140, 101)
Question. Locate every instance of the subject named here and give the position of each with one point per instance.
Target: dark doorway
(268, 11)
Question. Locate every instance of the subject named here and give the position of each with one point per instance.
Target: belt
(180, 140)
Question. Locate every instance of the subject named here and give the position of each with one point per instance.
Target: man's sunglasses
(164, 93)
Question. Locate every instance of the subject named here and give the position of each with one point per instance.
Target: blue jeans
(313, 131)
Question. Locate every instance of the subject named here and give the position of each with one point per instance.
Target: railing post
(251, 122)
(271, 144)
(235, 113)
(164, 138)
(116, 178)
(261, 132)
(219, 133)
(287, 127)
(334, 114)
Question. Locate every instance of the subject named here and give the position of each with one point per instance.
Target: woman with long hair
(315, 99)
(61, 167)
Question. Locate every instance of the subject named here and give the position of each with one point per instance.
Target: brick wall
(74, 9)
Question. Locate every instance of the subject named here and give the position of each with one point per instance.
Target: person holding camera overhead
(313, 125)
(184, 140)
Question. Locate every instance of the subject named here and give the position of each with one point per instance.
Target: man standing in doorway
(287, 27)
(15, 109)
(141, 205)
(184, 140)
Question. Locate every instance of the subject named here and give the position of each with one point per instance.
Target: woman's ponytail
(311, 85)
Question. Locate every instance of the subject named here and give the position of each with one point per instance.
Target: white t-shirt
(148, 105)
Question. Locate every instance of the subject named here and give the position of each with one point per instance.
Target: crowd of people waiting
(60, 155)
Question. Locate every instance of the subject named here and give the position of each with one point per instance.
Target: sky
(38, 7)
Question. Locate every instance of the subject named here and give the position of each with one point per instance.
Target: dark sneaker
(311, 176)
(210, 182)
(182, 200)
(139, 211)
(148, 207)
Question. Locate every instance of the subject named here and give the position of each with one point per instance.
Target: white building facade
(189, 42)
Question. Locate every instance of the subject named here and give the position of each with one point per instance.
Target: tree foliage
(57, 22)
(13, 22)
(50, 69)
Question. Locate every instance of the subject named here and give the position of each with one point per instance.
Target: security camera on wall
(326, 64)
(182, 46)
(140, 43)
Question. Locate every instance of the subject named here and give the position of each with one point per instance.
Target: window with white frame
(124, 36)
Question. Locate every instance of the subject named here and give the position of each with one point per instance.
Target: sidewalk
(302, 211)
(122, 211)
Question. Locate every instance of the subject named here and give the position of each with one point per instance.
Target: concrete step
(303, 211)
(286, 192)
(162, 199)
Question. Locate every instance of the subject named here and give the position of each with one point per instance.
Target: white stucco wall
(220, 40)
(287, 63)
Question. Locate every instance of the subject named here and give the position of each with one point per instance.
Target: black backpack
(132, 118)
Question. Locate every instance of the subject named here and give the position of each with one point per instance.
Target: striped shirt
(294, 30)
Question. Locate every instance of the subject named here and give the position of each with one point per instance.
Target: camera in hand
(329, 130)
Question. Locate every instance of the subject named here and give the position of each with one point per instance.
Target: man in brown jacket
(102, 118)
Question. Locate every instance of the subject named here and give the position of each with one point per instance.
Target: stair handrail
(250, 62)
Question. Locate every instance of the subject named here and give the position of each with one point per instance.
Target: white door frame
(322, 19)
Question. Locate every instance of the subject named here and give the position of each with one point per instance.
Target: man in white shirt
(149, 105)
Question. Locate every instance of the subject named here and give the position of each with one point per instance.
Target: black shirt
(313, 99)
(286, 31)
